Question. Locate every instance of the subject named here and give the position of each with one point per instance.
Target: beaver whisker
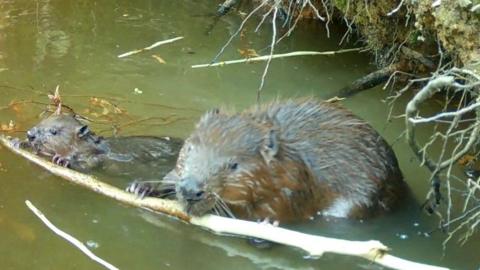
(219, 202)
(219, 211)
(166, 190)
(216, 211)
(167, 194)
(170, 182)
(152, 181)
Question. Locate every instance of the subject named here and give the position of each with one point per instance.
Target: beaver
(284, 161)
(71, 143)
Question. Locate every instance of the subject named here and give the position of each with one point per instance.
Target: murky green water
(75, 43)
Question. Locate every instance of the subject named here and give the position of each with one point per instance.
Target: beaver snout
(31, 134)
(190, 189)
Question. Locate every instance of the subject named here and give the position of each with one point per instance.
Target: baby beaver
(70, 143)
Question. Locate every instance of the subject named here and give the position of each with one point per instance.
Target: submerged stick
(368, 81)
(68, 237)
(274, 56)
(154, 45)
(314, 245)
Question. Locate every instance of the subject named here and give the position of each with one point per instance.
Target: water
(74, 44)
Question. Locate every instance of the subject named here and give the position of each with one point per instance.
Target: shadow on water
(75, 44)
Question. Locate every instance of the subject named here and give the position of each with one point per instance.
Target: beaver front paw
(17, 143)
(61, 161)
(142, 188)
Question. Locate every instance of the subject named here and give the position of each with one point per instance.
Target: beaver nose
(31, 135)
(190, 189)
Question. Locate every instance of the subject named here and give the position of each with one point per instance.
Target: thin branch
(412, 107)
(396, 9)
(272, 48)
(68, 237)
(419, 120)
(264, 2)
(274, 56)
(154, 45)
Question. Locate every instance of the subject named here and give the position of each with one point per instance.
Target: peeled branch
(154, 45)
(314, 245)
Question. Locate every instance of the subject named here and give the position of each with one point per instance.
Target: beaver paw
(61, 161)
(141, 189)
(17, 143)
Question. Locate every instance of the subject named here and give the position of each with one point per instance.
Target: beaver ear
(208, 116)
(270, 146)
(213, 112)
(83, 131)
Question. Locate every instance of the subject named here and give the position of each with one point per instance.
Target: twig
(68, 237)
(315, 11)
(419, 120)
(269, 59)
(475, 8)
(315, 245)
(396, 9)
(239, 29)
(412, 107)
(154, 45)
(274, 56)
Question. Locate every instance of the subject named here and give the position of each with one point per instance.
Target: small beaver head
(232, 165)
(59, 134)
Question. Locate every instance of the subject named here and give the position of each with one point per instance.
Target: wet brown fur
(296, 158)
(69, 142)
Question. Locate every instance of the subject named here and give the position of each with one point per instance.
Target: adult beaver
(285, 161)
(70, 143)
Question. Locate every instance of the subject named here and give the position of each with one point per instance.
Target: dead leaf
(248, 53)
(466, 159)
(159, 59)
(10, 127)
(105, 107)
(16, 107)
(243, 33)
(56, 100)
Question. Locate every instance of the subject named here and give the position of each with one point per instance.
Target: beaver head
(235, 166)
(61, 134)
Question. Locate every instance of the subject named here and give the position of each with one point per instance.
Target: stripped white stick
(314, 245)
(273, 56)
(154, 45)
(68, 237)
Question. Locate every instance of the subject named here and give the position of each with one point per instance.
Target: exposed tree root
(461, 132)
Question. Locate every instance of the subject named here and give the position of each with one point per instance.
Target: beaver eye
(53, 131)
(233, 166)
